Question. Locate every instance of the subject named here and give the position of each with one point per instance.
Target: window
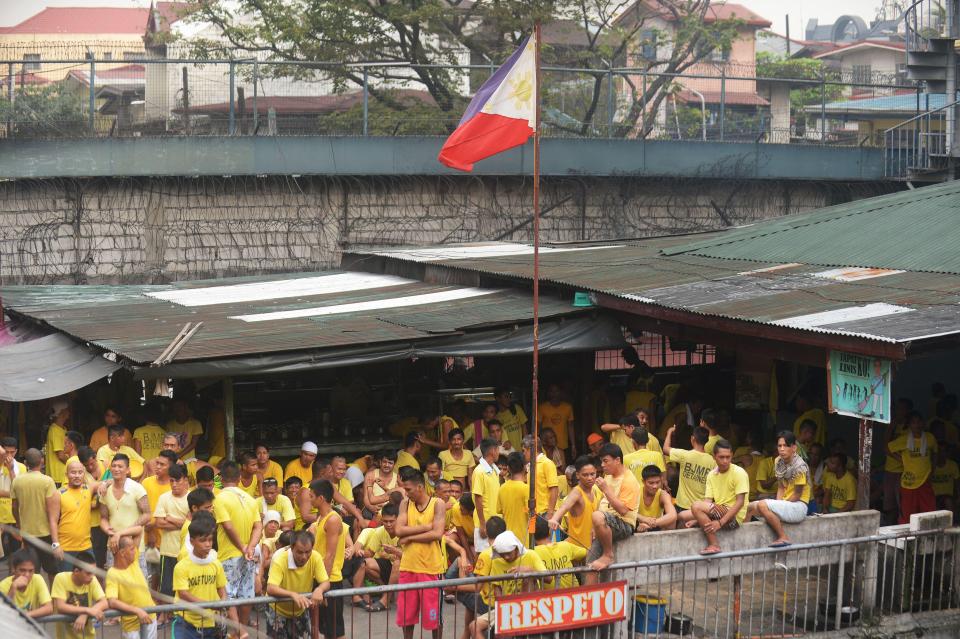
(108, 55)
(720, 55)
(657, 351)
(862, 73)
(31, 61)
(133, 55)
(648, 45)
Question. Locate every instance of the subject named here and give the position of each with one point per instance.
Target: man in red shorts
(420, 529)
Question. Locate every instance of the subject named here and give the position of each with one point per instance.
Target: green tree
(44, 111)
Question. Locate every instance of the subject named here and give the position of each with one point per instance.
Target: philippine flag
(501, 115)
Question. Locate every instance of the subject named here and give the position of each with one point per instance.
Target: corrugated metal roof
(785, 291)
(914, 230)
(138, 322)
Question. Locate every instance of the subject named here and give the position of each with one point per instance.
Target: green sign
(859, 386)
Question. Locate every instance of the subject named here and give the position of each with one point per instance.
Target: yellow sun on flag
(521, 90)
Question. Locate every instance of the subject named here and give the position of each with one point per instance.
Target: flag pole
(535, 449)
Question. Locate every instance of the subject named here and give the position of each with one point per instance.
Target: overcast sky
(14, 11)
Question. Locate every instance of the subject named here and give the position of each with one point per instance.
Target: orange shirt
(557, 418)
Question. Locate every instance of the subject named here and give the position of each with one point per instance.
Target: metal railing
(929, 20)
(71, 98)
(770, 592)
(918, 145)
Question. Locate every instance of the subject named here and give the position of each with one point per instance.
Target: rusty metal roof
(252, 315)
(878, 304)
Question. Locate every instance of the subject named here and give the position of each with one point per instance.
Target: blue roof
(905, 103)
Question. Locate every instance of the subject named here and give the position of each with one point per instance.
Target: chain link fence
(72, 98)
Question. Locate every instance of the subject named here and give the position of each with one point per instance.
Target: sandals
(710, 550)
(376, 606)
(361, 604)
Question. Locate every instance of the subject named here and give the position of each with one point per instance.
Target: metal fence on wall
(146, 97)
(830, 585)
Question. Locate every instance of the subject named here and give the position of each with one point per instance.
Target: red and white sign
(564, 609)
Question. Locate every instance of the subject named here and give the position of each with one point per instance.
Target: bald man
(74, 526)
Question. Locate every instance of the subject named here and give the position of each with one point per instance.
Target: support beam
(228, 413)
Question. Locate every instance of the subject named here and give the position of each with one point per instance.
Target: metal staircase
(925, 147)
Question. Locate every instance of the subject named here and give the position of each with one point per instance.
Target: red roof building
(83, 20)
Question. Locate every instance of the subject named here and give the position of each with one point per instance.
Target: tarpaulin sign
(859, 386)
(565, 609)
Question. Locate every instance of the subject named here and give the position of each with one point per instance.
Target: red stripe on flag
(485, 134)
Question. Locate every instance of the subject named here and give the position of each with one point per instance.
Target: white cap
(271, 515)
(309, 447)
(58, 407)
(507, 542)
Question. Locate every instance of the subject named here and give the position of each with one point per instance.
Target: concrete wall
(156, 230)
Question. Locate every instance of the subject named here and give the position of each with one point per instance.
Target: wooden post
(185, 89)
(228, 415)
(863, 478)
(535, 449)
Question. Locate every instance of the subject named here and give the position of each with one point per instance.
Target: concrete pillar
(779, 113)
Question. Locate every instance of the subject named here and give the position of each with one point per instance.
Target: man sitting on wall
(793, 490)
(724, 505)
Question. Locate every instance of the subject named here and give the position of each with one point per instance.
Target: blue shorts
(180, 629)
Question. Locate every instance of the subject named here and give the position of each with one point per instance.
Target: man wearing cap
(55, 447)
(302, 467)
(595, 442)
(511, 558)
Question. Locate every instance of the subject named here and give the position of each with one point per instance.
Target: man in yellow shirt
(379, 550)
(642, 457)
(36, 507)
(330, 533)
(511, 558)
(148, 439)
(420, 530)
(302, 466)
(547, 484)
(511, 417)
(725, 501)
(156, 485)
(407, 456)
(77, 592)
(99, 437)
(24, 587)
(709, 420)
(457, 463)
(807, 411)
(557, 555)
(185, 427)
(10, 468)
(115, 445)
(266, 467)
(169, 515)
(944, 478)
(55, 446)
(295, 570)
(794, 487)
(621, 434)
(238, 535)
(127, 591)
(616, 515)
(199, 578)
(485, 487)
(695, 465)
(915, 449)
(249, 479)
(557, 415)
(514, 495)
(74, 527)
(281, 504)
(839, 486)
(656, 510)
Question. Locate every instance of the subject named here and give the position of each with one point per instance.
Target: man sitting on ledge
(724, 505)
(616, 516)
(793, 490)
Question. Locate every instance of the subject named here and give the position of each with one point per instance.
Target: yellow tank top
(336, 572)
(391, 485)
(425, 558)
(655, 509)
(580, 528)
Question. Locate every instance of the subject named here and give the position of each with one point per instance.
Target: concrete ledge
(686, 543)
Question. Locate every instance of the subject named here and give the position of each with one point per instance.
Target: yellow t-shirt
(621, 439)
(100, 437)
(282, 505)
(31, 490)
(56, 436)
(320, 545)
(944, 477)
(456, 468)
(405, 459)
(799, 480)
(105, 456)
(151, 440)
(529, 559)
(841, 489)
(546, 479)
(64, 589)
(654, 508)
(286, 574)
(129, 586)
(765, 473)
(818, 417)
(559, 418)
(374, 539)
(486, 483)
(125, 512)
(752, 474)
(916, 466)
(253, 488)
(75, 518)
(481, 568)
(560, 555)
(202, 582)
(513, 422)
(35, 595)
(154, 489)
(636, 399)
(88, 481)
(723, 488)
(296, 469)
(694, 468)
(217, 434)
(185, 431)
(711, 442)
(345, 488)
(240, 509)
(628, 490)
(580, 528)
(274, 471)
(512, 504)
(169, 505)
(891, 464)
(462, 520)
(425, 558)
(6, 504)
(637, 461)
